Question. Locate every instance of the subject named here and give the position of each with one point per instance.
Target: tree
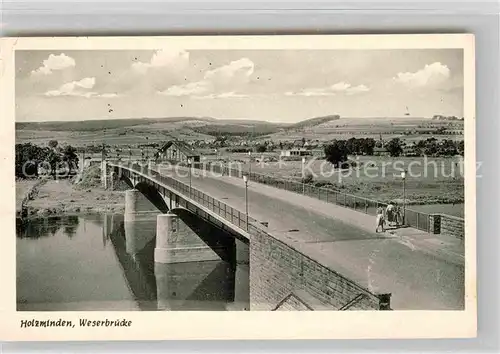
(70, 157)
(367, 146)
(431, 147)
(448, 148)
(394, 147)
(27, 159)
(461, 147)
(261, 148)
(53, 144)
(53, 158)
(336, 152)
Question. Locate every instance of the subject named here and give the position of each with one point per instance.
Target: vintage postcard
(238, 187)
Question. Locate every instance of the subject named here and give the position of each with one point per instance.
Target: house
(380, 151)
(178, 151)
(294, 152)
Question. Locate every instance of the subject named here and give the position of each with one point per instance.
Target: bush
(309, 178)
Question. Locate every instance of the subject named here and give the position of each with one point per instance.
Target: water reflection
(47, 226)
(98, 262)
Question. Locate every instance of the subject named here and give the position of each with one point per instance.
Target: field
(428, 181)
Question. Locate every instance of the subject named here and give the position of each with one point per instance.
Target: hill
(312, 122)
(101, 124)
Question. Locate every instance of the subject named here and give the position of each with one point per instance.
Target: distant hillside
(255, 129)
(309, 123)
(101, 124)
(440, 117)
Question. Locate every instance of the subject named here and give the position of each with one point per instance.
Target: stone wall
(435, 223)
(281, 276)
(452, 226)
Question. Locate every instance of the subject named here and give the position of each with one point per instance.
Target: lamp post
(249, 163)
(189, 164)
(403, 176)
(245, 179)
(303, 176)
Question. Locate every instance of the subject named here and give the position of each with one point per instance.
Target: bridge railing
(228, 213)
(412, 218)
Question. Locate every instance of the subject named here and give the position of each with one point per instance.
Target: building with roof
(178, 151)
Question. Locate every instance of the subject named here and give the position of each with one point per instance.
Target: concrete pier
(139, 221)
(241, 300)
(193, 286)
(177, 243)
(104, 174)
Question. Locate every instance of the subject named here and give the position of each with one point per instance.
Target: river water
(85, 263)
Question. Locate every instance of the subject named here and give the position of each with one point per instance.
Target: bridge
(304, 253)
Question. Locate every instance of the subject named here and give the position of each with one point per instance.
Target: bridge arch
(153, 195)
(220, 241)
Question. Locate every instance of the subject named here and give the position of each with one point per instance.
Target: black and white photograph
(183, 178)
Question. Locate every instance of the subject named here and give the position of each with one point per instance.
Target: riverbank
(81, 195)
(58, 197)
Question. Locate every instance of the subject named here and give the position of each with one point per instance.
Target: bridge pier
(177, 243)
(138, 220)
(104, 174)
(241, 267)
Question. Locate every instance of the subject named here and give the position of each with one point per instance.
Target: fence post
(327, 195)
(355, 204)
(366, 206)
(345, 199)
(417, 222)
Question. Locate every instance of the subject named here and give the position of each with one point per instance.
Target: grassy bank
(76, 196)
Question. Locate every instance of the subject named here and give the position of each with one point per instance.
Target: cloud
(221, 95)
(75, 88)
(240, 69)
(193, 88)
(340, 87)
(163, 58)
(357, 89)
(222, 82)
(53, 63)
(106, 95)
(432, 74)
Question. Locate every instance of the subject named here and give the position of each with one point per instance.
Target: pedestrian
(380, 219)
(389, 211)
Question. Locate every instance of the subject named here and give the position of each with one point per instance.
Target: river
(84, 263)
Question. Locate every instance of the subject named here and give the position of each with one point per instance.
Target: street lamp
(303, 176)
(403, 176)
(245, 179)
(189, 163)
(249, 163)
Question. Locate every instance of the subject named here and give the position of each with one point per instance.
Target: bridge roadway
(422, 271)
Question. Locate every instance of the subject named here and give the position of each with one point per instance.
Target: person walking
(380, 219)
(389, 211)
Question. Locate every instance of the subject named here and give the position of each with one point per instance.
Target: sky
(273, 85)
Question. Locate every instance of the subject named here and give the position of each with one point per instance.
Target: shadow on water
(87, 262)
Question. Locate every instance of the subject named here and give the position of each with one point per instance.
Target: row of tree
(29, 157)
(337, 151)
